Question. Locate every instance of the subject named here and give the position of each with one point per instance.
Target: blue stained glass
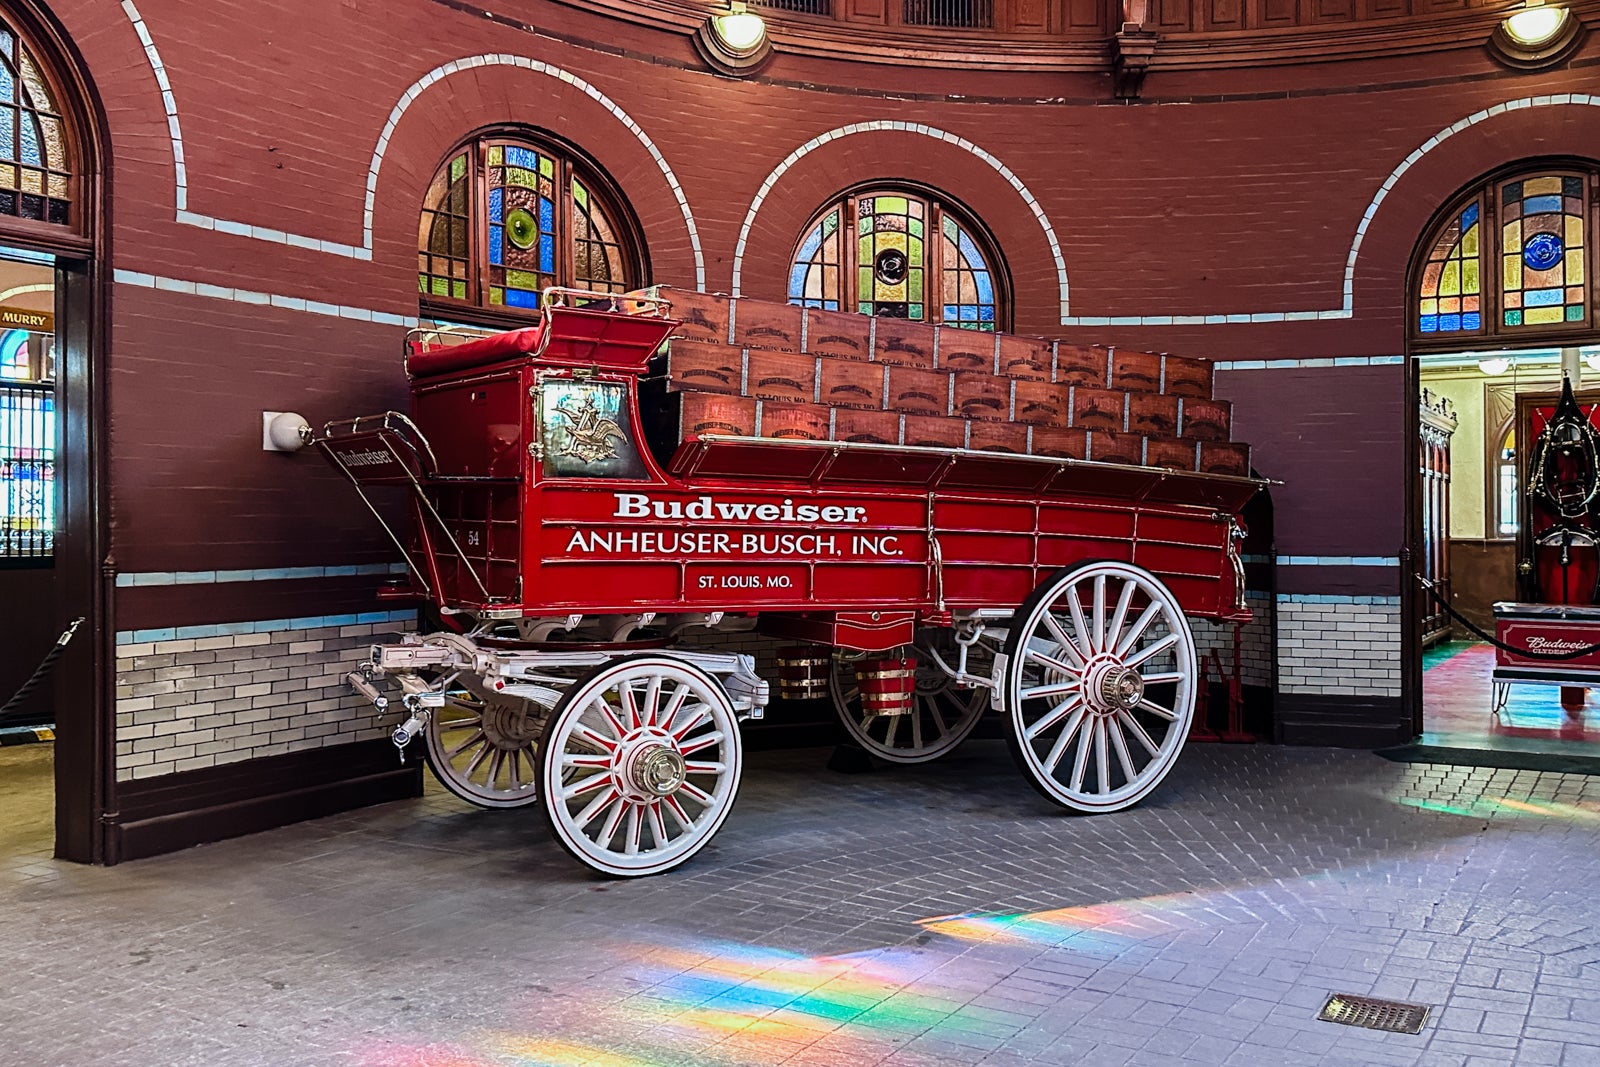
(497, 200)
(8, 84)
(8, 145)
(497, 237)
(521, 298)
(30, 140)
(951, 312)
(1469, 217)
(1449, 323)
(547, 216)
(809, 249)
(1543, 298)
(1542, 251)
(1471, 321)
(522, 157)
(969, 251)
(968, 313)
(830, 305)
(1429, 324)
(797, 280)
(1536, 205)
(985, 287)
(986, 313)
(547, 252)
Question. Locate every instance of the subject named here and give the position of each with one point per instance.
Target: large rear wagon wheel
(941, 716)
(640, 765)
(485, 752)
(1099, 686)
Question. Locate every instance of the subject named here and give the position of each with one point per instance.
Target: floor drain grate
(1374, 1014)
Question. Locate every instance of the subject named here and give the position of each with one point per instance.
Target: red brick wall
(1222, 192)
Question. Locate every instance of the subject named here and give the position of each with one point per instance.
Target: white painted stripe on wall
(202, 631)
(363, 251)
(1338, 561)
(131, 579)
(252, 296)
(1302, 364)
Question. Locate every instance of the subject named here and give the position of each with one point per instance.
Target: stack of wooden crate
(757, 368)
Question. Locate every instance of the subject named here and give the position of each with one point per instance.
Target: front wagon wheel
(1099, 686)
(640, 764)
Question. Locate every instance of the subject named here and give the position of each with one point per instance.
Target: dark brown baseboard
(174, 811)
(1341, 721)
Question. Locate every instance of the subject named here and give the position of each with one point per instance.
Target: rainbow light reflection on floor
(1089, 927)
(1499, 807)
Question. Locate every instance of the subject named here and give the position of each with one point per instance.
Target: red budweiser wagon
(578, 560)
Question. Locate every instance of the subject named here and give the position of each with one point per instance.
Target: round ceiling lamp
(734, 42)
(1536, 35)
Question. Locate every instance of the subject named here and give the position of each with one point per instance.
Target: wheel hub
(649, 765)
(1112, 687)
(508, 726)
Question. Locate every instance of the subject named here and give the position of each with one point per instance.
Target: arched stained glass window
(505, 218)
(909, 256)
(1510, 260)
(35, 164)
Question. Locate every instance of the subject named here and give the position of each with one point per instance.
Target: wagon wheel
(485, 752)
(1099, 685)
(640, 764)
(942, 715)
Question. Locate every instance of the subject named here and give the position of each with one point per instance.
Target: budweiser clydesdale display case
(578, 517)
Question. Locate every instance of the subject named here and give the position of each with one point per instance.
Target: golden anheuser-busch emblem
(589, 433)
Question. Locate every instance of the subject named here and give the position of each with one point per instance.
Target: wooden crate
(1204, 420)
(836, 333)
(1152, 414)
(916, 391)
(966, 350)
(1108, 447)
(982, 396)
(806, 421)
(762, 324)
(1098, 409)
(700, 413)
(902, 341)
(784, 376)
(1182, 376)
(1043, 403)
(1083, 365)
(704, 367)
(1135, 370)
(871, 427)
(934, 431)
(850, 383)
(998, 437)
(1170, 452)
(1023, 358)
(1221, 457)
(701, 316)
(1054, 441)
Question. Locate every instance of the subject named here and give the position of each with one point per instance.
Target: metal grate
(973, 14)
(1374, 1014)
(27, 471)
(804, 7)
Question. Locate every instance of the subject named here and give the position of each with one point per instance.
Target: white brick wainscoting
(1339, 645)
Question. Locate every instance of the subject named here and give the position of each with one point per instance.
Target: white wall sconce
(734, 41)
(1536, 34)
(284, 431)
(1495, 365)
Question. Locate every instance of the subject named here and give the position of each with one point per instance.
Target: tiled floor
(925, 917)
(1456, 703)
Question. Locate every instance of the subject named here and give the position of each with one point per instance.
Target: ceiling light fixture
(1536, 34)
(1495, 365)
(734, 41)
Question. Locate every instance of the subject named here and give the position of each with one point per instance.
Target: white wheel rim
(641, 765)
(1100, 686)
(941, 717)
(483, 754)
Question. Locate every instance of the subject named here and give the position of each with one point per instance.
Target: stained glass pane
(31, 132)
(444, 233)
(1449, 294)
(27, 457)
(598, 251)
(968, 284)
(891, 262)
(1542, 251)
(521, 226)
(814, 276)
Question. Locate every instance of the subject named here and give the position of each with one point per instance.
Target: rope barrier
(1525, 653)
(50, 657)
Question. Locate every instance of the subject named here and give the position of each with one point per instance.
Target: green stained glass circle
(522, 229)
